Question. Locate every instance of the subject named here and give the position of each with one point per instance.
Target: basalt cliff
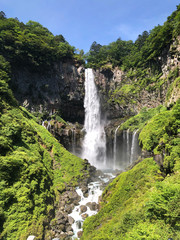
(61, 89)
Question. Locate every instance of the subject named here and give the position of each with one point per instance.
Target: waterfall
(94, 143)
(46, 124)
(114, 148)
(133, 146)
(128, 152)
(31, 237)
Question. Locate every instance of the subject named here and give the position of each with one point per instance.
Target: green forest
(33, 45)
(35, 169)
(143, 53)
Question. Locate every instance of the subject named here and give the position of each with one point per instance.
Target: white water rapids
(94, 143)
(94, 192)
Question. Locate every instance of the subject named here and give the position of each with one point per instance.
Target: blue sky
(83, 21)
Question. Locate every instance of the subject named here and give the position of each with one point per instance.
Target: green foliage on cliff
(34, 169)
(143, 203)
(140, 83)
(5, 93)
(33, 45)
(141, 119)
(161, 135)
(175, 85)
(159, 132)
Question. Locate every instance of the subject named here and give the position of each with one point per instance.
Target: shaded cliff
(60, 89)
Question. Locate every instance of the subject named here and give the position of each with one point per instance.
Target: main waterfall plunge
(118, 152)
(94, 143)
(124, 148)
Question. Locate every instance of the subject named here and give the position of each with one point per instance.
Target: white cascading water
(31, 237)
(46, 124)
(114, 148)
(94, 143)
(133, 145)
(128, 152)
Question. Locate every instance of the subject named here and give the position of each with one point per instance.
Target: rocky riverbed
(75, 205)
(89, 203)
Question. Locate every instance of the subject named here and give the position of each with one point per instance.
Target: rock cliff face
(109, 79)
(58, 89)
(170, 58)
(62, 88)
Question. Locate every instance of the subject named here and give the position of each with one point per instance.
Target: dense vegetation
(141, 119)
(33, 45)
(34, 169)
(143, 203)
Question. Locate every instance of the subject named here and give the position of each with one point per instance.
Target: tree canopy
(31, 44)
(144, 52)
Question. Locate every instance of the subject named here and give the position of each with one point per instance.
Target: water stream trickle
(46, 124)
(128, 152)
(94, 143)
(31, 237)
(133, 145)
(114, 148)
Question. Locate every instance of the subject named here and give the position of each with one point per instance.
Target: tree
(59, 38)
(2, 15)
(95, 48)
(141, 39)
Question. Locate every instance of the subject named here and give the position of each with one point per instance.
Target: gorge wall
(60, 88)
(116, 83)
(122, 94)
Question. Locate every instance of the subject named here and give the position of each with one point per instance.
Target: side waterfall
(94, 143)
(128, 152)
(125, 149)
(114, 148)
(133, 146)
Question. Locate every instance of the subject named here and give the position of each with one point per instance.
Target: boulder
(70, 233)
(93, 206)
(70, 220)
(84, 216)
(68, 208)
(62, 227)
(69, 229)
(83, 208)
(84, 189)
(79, 234)
(63, 236)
